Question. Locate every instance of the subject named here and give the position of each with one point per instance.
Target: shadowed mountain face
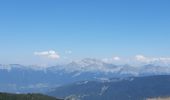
(6, 96)
(139, 88)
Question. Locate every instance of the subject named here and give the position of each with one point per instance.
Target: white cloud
(116, 58)
(141, 58)
(49, 54)
(111, 60)
(145, 59)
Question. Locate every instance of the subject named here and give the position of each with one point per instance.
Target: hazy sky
(77, 29)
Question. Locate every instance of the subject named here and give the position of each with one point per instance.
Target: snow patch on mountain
(89, 65)
(103, 90)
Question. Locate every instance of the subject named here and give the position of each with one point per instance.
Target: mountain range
(18, 78)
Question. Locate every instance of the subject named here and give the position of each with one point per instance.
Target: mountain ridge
(132, 88)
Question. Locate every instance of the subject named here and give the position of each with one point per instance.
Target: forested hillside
(6, 96)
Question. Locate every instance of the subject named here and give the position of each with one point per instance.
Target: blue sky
(87, 28)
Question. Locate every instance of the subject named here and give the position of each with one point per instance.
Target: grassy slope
(7, 96)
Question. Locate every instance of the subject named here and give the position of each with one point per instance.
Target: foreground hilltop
(160, 98)
(7, 96)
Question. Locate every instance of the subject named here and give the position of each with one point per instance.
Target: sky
(53, 31)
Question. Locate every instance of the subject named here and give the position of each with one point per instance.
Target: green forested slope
(6, 96)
